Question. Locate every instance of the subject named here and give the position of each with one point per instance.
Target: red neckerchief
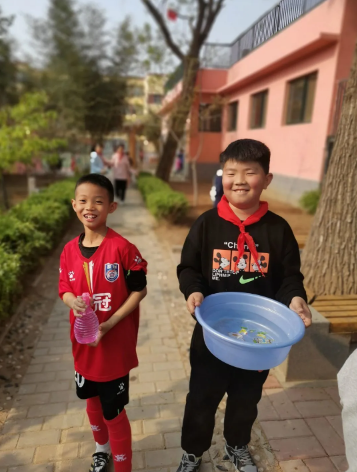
(226, 212)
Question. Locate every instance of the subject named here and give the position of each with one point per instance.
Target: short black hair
(100, 180)
(246, 150)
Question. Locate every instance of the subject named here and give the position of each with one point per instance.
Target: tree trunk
(4, 195)
(329, 259)
(178, 118)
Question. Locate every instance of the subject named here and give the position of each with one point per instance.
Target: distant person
(181, 156)
(179, 162)
(246, 233)
(121, 172)
(97, 162)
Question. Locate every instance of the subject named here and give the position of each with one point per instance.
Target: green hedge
(161, 200)
(310, 200)
(27, 232)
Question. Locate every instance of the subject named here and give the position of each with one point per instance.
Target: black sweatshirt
(209, 259)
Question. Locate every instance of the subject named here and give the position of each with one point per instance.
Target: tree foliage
(86, 91)
(26, 130)
(140, 50)
(8, 93)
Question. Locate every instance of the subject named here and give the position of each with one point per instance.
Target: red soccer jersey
(115, 355)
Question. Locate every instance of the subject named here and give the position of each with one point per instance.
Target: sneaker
(100, 462)
(241, 459)
(189, 463)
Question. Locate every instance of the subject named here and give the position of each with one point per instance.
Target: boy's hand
(103, 329)
(195, 299)
(78, 306)
(300, 307)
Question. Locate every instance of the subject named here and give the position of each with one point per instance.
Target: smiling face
(92, 205)
(243, 183)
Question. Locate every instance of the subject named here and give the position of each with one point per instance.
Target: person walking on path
(121, 172)
(207, 267)
(97, 161)
(116, 279)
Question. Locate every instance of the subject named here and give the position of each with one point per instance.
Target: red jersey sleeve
(133, 260)
(63, 285)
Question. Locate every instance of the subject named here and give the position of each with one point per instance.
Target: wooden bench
(339, 310)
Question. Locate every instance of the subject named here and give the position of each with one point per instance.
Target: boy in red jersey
(102, 262)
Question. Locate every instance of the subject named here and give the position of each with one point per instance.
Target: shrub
(167, 204)
(9, 280)
(161, 200)
(23, 238)
(310, 200)
(48, 216)
(148, 184)
(27, 231)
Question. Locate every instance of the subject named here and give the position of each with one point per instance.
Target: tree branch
(162, 25)
(200, 16)
(211, 17)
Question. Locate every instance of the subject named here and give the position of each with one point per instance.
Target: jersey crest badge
(111, 271)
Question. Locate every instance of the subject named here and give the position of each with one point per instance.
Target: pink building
(281, 82)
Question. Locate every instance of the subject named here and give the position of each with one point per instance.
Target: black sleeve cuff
(193, 289)
(136, 280)
(286, 300)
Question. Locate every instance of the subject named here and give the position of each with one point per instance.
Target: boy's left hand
(103, 329)
(300, 307)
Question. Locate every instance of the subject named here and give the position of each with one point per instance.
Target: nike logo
(243, 281)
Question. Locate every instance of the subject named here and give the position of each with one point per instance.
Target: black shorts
(113, 395)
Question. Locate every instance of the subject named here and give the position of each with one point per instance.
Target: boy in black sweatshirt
(239, 246)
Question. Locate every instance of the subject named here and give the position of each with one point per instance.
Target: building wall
(298, 149)
(204, 147)
(321, 41)
(326, 19)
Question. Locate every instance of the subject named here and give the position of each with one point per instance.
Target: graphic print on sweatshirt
(225, 263)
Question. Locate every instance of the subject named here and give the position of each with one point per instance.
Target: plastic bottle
(86, 328)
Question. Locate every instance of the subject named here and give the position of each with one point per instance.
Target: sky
(237, 16)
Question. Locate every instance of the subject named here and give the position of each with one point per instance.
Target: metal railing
(277, 19)
(223, 56)
(216, 56)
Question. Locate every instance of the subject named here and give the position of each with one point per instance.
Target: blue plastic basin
(248, 331)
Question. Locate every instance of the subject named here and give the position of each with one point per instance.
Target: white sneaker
(241, 459)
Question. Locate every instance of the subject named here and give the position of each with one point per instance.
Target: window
(301, 93)
(210, 118)
(135, 91)
(258, 109)
(154, 98)
(232, 116)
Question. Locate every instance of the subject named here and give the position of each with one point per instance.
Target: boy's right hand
(195, 299)
(78, 306)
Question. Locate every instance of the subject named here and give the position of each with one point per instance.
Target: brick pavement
(47, 429)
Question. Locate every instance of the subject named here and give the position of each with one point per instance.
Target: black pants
(113, 395)
(120, 189)
(210, 380)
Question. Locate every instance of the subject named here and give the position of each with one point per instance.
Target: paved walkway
(47, 428)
